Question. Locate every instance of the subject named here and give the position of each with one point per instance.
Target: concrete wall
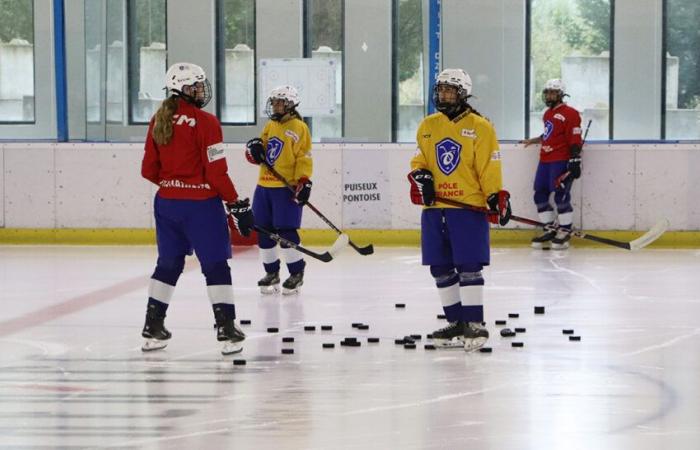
(624, 186)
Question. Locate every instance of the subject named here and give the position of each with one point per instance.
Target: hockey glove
(499, 206)
(422, 187)
(243, 218)
(303, 190)
(574, 167)
(255, 151)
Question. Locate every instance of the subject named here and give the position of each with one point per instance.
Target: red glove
(499, 206)
(255, 151)
(303, 190)
(422, 187)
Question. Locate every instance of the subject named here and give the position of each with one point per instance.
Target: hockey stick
(366, 250)
(326, 256)
(647, 238)
(561, 178)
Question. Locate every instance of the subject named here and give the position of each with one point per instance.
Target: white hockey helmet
(555, 84)
(184, 74)
(458, 78)
(289, 94)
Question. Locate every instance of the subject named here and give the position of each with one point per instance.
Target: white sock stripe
(160, 291)
(566, 218)
(546, 216)
(290, 255)
(471, 295)
(269, 255)
(222, 293)
(449, 295)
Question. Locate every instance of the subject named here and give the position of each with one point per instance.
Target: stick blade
(650, 236)
(340, 243)
(366, 250)
(325, 257)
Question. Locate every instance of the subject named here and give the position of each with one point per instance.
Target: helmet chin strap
(450, 109)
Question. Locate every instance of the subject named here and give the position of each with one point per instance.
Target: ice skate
(475, 336)
(270, 283)
(544, 240)
(154, 331)
(293, 283)
(561, 240)
(451, 336)
(230, 335)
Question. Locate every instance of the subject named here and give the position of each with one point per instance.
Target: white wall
(86, 185)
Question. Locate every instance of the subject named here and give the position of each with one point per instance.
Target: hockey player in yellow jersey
(285, 145)
(458, 158)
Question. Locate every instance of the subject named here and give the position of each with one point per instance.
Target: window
(682, 69)
(236, 61)
(17, 61)
(324, 39)
(147, 58)
(571, 40)
(409, 96)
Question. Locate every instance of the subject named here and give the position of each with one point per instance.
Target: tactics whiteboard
(313, 78)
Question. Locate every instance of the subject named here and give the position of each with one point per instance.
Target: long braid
(163, 127)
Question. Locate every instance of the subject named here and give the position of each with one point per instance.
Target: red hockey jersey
(192, 165)
(562, 129)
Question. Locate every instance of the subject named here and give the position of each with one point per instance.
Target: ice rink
(73, 375)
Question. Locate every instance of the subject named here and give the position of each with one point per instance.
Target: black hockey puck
(539, 309)
(356, 324)
(326, 327)
(520, 330)
(287, 351)
(349, 344)
(363, 327)
(273, 330)
(350, 339)
(239, 362)
(513, 315)
(441, 316)
(409, 346)
(329, 345)
(507, 332)
(567, 331)
(287, 339)
(429, 347)
(500, 322)
(245, 322)
(574, 338)
(428, 336)
(400, 305)
(399, 341)
(373, 340)
(309, 328)
(486, 350)
(416, 337)
(517, 344)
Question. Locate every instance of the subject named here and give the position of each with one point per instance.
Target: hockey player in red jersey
(184, 155)
(559, 166)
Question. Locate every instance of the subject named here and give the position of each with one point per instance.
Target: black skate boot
(228, 332)
(561, 240)
(544, 240)
(270, 283)
(450, 336)
(154, 331)
(293, 283)
(475, 336)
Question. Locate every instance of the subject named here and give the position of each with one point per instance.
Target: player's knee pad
(470, 275)
(168, 270)
(290, 235)
(264, 241)
(541, 199)
(217, 273)
(444, 275)
(562, 199)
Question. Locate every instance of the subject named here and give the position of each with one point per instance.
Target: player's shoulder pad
(206, 117)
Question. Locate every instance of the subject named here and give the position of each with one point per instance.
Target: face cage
(200, 101)
(560, 97)
(448, 107)
(270, 111)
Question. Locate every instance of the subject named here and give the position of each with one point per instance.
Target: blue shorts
(452, 236)
(186, 225)
(276, 208)
(547, 173)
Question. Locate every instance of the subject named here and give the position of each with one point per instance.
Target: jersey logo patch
(180, 119)
(274, 150)
(215, 152)
(548, 128)
(291, 134)
(468, 133)
(560, 117)
(448, 152)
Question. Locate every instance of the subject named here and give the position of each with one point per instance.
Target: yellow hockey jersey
(463, 156)
(288, 151)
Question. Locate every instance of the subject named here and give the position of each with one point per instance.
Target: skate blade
(230, 348)
(447, 344)
(560, 246)
(540, 245)
(286, 291)
(150, 345)
(474, 344)
(270, 290)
